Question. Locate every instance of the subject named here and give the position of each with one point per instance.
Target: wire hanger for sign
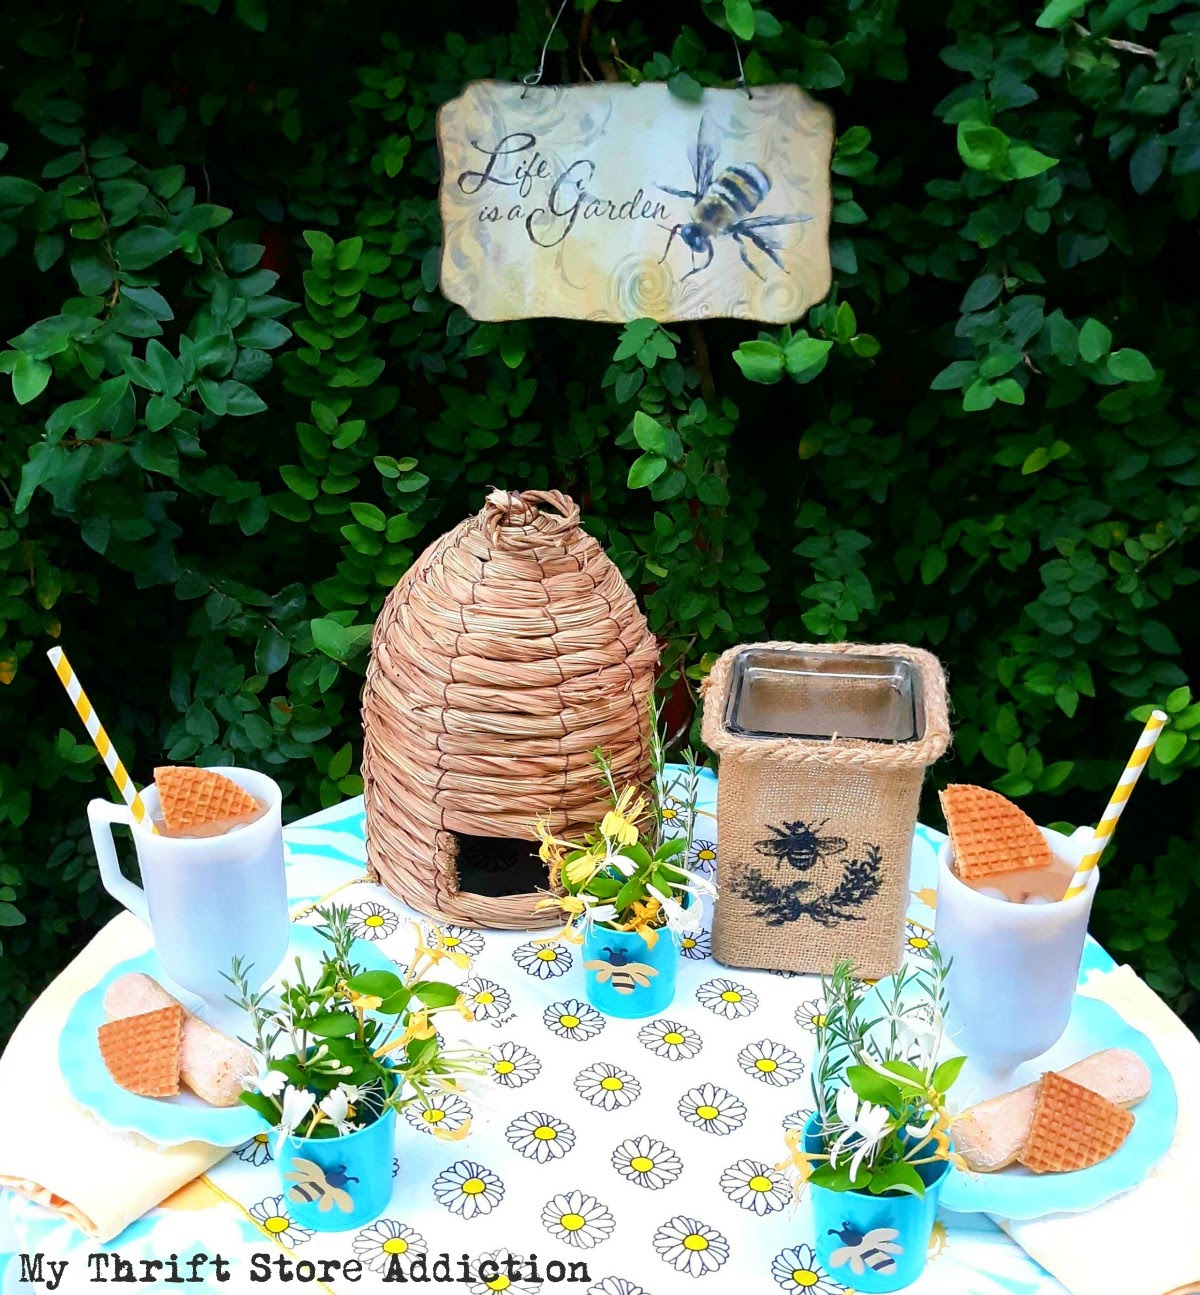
(530, 79)
(534, 78)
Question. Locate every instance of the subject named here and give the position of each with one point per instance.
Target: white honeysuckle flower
(296, 1104)
(336, 1108)
(867, 1123)
(270, 1083)
(678, 917)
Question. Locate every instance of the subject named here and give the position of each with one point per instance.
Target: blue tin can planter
(624, 976)
(331, 1184)
(874, 1243)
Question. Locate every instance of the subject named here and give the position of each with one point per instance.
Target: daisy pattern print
(608, 1087)
(387, 1242)
(810, 1016)
(703, 856)
(797, 1271)
(670, 1039)
(616, 1286)
(539, 1136)
(697, 945)
(442, 1113)
(372, 921)
(771, 1062)
(256, 1151)
(468, 1189)
(572, 1019)
(485, 998)
(273, 1217)
(513, 1065)
(647, 1162)
(456, 939)
(713, 1109)
(545, 961)
(756, 1187)
(577, 1219)
(917, 940)
(727, 998)
(690, 1246)
(797, 1119)
(491, 1271)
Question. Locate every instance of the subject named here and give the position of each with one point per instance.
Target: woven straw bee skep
(508, 653)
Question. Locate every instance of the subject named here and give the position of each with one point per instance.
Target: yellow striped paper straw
(1108, 823)
(100, 739)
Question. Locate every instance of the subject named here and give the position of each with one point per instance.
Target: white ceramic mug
(205, 898)
(1015, 969)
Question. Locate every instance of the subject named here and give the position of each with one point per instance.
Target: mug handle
(102, 814)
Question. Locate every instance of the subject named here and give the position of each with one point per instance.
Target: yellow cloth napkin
(55, 1152)
(1146, 1242)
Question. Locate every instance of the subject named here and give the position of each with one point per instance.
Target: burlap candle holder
(815, 833)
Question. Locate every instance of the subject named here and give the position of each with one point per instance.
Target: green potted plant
(342, 1051)
(628, 896)
(876, 1150)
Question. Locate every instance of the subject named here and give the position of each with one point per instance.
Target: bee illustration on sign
(625, 976)
(311, 1184)
(723, 205)
(861, 1251)
(800, 845)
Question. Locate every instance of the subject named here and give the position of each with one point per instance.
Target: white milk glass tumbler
(206, 899)
(1015, 968)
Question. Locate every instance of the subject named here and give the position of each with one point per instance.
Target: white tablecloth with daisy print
(645, 1150)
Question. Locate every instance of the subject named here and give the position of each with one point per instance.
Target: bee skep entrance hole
(497, 866)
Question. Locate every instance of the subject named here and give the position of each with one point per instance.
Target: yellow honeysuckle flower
(620, 823)
(451, 1135)
(463, 1008)
(418, 1028)
(578, 871)
(364, 1002)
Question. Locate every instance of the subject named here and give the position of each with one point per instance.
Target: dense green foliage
(239, 405)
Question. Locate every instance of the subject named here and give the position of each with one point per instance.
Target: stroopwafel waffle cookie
(1072, 1128)
(143, 1052)
(990, 834)
(190, 798)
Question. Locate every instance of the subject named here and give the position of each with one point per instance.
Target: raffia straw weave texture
(816, 834)
(509, 652)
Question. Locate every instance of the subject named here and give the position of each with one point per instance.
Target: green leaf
(760, 361)
(1128, 365)
(241, 400)
(981, 146)
(378, 984)
(1059, 12)
(739, 14)
(1170, 746)
(648, 434)
(804, 357)
(144, 245)
(331, 638)
(10, 915)
(333, 1025)
(1026, 162)
(685, 86)
(29, 378)
(872, 1087)
(933, 563)
(1095, 340)
(945, 1075)
(898, 1176)
(644, 470)
(433, 993)
(17, 192)
(165, 368)
(370, 516)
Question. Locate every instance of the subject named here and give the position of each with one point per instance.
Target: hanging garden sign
(613, 202)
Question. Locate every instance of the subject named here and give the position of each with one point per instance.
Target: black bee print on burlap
(798, 846)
